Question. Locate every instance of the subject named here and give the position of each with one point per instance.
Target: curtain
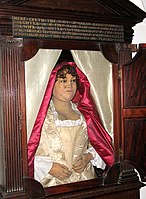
(37, 72)
(92, 63)
(99, 73)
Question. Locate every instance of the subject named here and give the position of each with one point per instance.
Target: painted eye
(63, 81)
(73, 80)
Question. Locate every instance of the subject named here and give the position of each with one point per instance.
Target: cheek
(75, 88)
(56, 91)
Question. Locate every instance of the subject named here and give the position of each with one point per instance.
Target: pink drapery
(99, 138)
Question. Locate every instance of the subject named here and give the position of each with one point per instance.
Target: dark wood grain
(134, 111)
(134, 81)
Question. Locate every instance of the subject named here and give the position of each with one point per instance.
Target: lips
(68, 91)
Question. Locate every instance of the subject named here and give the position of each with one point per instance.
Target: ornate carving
(9, 41)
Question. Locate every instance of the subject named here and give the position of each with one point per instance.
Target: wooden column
(11, 117)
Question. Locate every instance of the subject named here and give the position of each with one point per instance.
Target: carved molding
(10, 56)
(10, 42)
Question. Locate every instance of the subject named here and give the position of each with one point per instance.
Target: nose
(69, 84)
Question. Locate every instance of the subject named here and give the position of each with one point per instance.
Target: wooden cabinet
(106, 26)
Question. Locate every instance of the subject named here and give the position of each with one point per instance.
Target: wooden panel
(134, 141)
(135, 145)
(134, 81)
(134, 111)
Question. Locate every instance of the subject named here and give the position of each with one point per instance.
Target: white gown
(62, 141)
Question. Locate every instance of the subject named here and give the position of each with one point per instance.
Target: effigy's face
(65, 88)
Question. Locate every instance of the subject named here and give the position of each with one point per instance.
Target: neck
(61, 105)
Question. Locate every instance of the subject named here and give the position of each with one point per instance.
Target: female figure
(67, 139)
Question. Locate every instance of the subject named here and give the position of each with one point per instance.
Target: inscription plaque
(64, 29)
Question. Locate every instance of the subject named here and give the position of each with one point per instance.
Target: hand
(60, 171)
(81, 162)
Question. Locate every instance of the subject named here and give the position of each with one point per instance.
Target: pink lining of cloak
(98, 136)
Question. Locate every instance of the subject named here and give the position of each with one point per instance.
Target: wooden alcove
(129, 79)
